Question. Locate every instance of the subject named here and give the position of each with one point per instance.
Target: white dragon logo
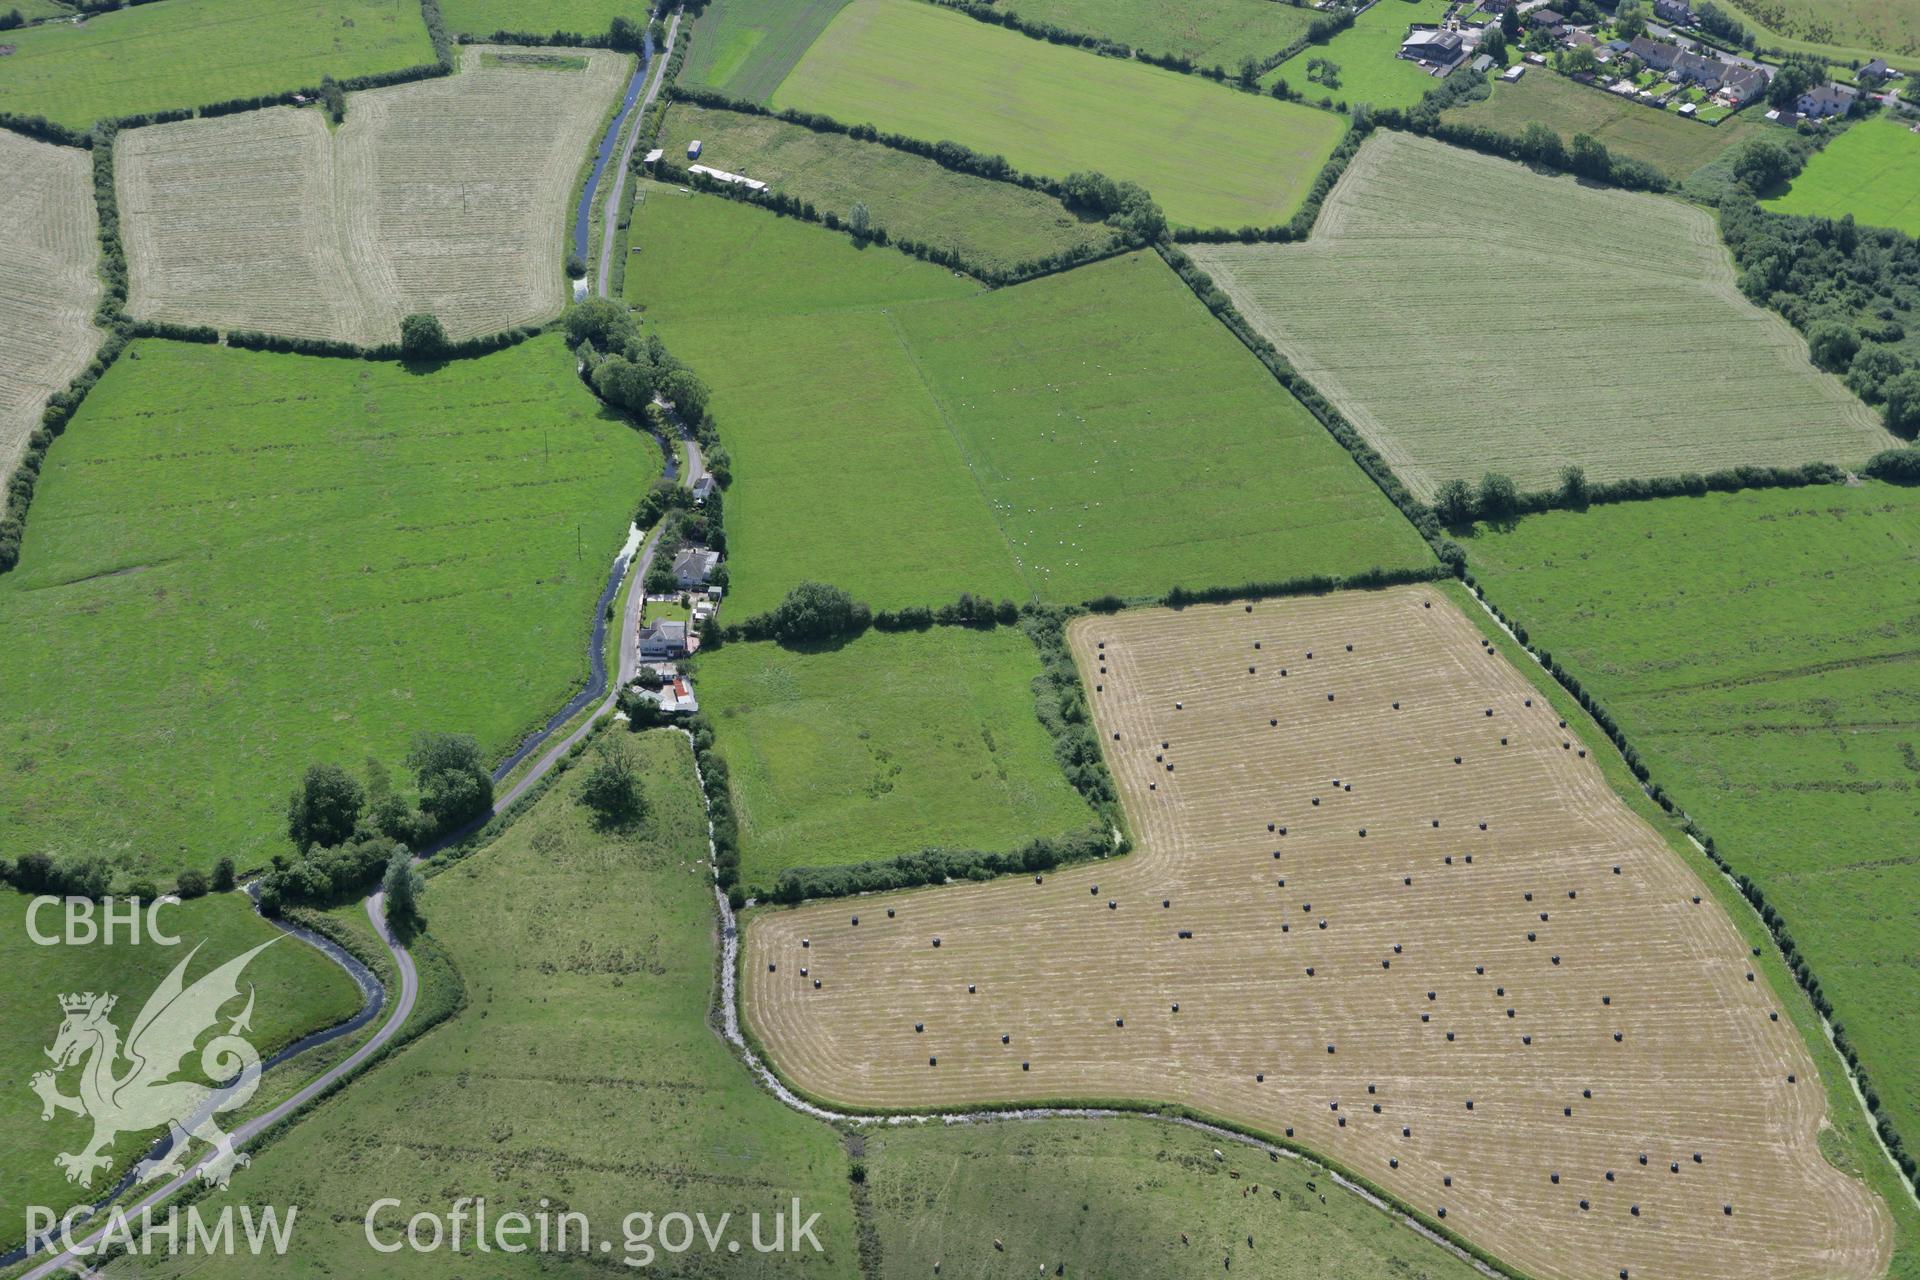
(146, 1096)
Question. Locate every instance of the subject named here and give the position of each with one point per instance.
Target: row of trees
(90, 877)
(1496, 498)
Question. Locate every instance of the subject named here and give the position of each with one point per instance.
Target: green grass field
(1115, 1197)
(1211, 32)
(746, 50)
(239, 562)
(1088, 433)
(185, 53)
(1366, 53)
(581, 1068)
(994, 223)
(297, 991)
(1210, 155)
(1871, 171)
(887, 745)
(1840, 30)
(1674, 146)
(1455, 354)
(1757, 648)
(589, 17)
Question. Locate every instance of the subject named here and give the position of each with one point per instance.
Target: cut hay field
(1758, 649)
(48, 288)
(996, 224)
(889, 744)
(1620, 342)
(240, 562)
(1210, 32)
(746, 50)
(297, 991)
(1571, 1000)
(186, 53)
(1115, 1197)
(1210, 155)
(1365, 53)
(580, 1070)
(1088, 433)
(448, 196)
(588, 17)
(1871, 171)
(1674, 146)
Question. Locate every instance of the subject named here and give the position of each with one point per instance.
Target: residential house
(663, 641)
(1438, 48)
(1693, 68)
(1827, 100)
(1656, 54)
(1742, 85)
(1498, 6)
(1546, 19)
(1676, 11)
(693, 566)
(1876, 71)
(703, 489)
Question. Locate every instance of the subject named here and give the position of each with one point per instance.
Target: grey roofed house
(703, 488)
(1673, 11)
(1482, 62)
(1551, 19)
(1442, 47)
(661, 640)
(694, 565)
(1876, 70)
(1655, 53)
(1744, 84)
(1828, 100)
(1708, 73)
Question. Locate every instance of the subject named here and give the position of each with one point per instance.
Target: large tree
(453, 779)
(324, 807)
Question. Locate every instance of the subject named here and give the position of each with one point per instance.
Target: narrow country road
(610, 220)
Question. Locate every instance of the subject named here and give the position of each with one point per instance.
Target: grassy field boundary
(948, 155)
(101, 131)
(1805, 981)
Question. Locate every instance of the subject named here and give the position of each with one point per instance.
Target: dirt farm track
(1427, 940)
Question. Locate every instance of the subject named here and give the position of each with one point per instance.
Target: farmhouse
(1434, 48)
(1828, 100)
(663, 641)
(693, 566)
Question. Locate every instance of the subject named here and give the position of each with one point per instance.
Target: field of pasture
(1210, 32)
(1838, 29)
(992, 223)
(1674, 146)
(889, 744)
(1389, 907)
(1123, 1198)
(186, 53)
(581, 1068)
(239, 563)
(1620, 342)
(588, 17)
(48, 288)
(445, 195)
(1088, 433)
(1757, 649)
(1210, 155)
(297, 991)
(745, 51)
(1871, 171)
(1365, 54)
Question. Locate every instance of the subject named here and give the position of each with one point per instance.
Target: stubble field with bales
(47, 286)
(187, 53)
(1545, 1027)
(1757, 647)
(239, 563)
(1211, 156)
(1618, 342)
(446, 196)
(1026, 442)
